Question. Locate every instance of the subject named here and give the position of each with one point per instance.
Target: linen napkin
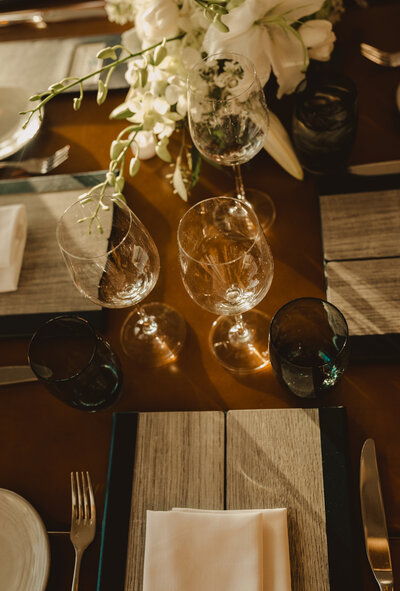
(13, 231)
(194, 550)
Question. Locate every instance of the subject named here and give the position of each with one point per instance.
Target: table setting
(199, 296)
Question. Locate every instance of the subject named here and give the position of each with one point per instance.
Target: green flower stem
(57, 90)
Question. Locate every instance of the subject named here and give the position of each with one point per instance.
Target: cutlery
(39, 165)
(373, 517)
(40, 18)
(16, 374)
(378, 56)
(83, 519)
(375, 168)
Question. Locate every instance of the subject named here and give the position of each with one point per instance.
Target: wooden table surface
(42, 440)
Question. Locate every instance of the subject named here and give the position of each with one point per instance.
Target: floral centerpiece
(169, 37)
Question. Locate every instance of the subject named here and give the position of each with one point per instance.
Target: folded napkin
(13, 230)
(192, 550)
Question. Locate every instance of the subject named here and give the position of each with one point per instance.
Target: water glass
(308, 346)
(75, 363)
(324, 121)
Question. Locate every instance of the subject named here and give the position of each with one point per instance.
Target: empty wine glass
(228, 120)
(114, 262)
(227, 268)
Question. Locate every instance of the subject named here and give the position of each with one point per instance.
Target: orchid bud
(159, 54)
(134, 165)
(101, 92)
(106, 52)
(77, 103)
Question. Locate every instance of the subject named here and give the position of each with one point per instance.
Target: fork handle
(12, 164)
(77, 568)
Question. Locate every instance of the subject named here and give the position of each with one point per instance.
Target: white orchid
(169, 37)
(263, 31)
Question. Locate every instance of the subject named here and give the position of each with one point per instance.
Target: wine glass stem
(146, 325)
(240, 193)
(239, 332)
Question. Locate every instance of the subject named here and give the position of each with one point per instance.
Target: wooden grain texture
(274, 460)
(361, 225)
(368, 294)
(45, 285)
(179, 462)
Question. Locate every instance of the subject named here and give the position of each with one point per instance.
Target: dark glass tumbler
(324, 122)
(75, 363)
(308, 346)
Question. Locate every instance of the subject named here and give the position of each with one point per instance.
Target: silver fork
(383, 58)
(83, 519)
(39, 165)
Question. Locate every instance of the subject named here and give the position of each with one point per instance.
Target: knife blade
(16, 374)
(375, 168)
(373, 517)
(41, 18)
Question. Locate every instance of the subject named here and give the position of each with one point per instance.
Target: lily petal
(287, 59)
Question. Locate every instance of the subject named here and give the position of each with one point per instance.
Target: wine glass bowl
(114, 262)
(109, 253)
(227, 268)
(228, 119)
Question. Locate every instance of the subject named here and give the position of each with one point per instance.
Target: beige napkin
(191, 550)
(13, 230)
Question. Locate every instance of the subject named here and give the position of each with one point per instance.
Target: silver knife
(41, 18)
(375, 168)
(373, 517)
(16, 374)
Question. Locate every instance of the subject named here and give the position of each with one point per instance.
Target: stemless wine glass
(227, 268)
(114, 262)
(228, 120)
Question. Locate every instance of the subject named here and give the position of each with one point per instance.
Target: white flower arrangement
(169, 37)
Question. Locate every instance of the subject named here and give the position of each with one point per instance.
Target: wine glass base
(241, 353)
(158, 343)
(263, 206)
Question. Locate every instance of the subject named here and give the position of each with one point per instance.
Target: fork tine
(79, 494)
(91, 497)
(74, 497)
(85, 504)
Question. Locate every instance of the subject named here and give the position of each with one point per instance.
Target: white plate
(24, 545)
(13, 137)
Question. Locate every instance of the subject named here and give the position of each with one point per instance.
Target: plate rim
(4, 492)
(12, 145)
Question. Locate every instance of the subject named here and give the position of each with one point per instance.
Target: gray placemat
(45, 286)
(361, 245)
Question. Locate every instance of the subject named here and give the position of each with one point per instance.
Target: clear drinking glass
(114, 262)
(228, 120)
(227, 268)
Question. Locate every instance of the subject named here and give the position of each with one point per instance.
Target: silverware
(373, 517)
(39, 165)
(16, 374)
(376, 168)
(83, 519)
(378, 56)
(40, 18)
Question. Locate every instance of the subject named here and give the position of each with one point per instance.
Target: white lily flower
(319, 38)
(261, 30)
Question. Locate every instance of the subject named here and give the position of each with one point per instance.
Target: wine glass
(114, 262)
(228, 120)
(227, 268)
